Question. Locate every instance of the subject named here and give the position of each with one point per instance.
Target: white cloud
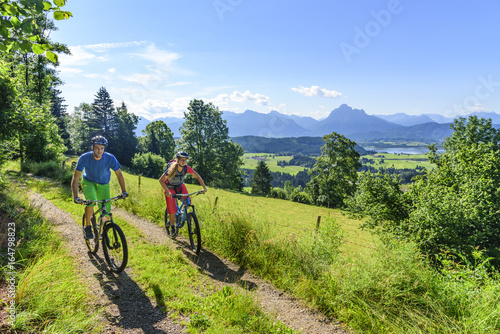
(103, 47)
(316, 91)
(223, 100)
(477, 108)
(112, 70)
(153, 109)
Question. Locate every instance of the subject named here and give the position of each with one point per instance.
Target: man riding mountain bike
(95, 167)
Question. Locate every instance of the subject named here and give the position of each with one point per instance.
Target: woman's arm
(162, 180)
(200, 180)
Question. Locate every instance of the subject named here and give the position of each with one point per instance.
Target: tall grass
(163, 274)
(381, 288)
(51, 169)
(378, 289)
(50, 297)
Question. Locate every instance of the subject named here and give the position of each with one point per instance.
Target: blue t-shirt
(97, 171)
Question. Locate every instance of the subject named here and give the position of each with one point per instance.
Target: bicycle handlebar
(116, 198)
(185, 195)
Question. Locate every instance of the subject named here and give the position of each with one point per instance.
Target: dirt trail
(129, 310)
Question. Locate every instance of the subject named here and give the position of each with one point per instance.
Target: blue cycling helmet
(99, 140)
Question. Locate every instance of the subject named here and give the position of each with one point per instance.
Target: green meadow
(398, 161)
(338, 269)
(271, 161)
(386, 160)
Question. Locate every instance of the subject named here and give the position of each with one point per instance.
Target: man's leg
(89, 191)
(103, 192)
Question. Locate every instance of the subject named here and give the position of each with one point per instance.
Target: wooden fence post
(215, 204)
(317, 223)
(139, 183)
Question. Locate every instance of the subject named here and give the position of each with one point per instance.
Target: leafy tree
(205, 137)
(125, 141)
(261, 182)
(8, 100)
(470, 131)
(229, 173)
(158, 139)
(455, 207)
(19, 29)
(333, 177)
(381, 198)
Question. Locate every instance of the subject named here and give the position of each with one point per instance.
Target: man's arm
(74, 182)
(121, 180)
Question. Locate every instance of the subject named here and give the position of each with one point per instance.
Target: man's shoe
(173, 231)
(88, 232)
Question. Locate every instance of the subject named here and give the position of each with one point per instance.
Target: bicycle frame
(102, 211)
(182, 209)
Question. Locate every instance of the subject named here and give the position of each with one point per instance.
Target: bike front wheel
(114, 246)
(194, 232)
(92, 244)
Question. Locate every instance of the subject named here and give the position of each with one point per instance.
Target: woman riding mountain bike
(172, 182)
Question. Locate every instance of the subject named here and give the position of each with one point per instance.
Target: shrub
(278, 193)
(148, 164)
(301, 197)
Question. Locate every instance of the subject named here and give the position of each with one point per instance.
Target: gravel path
(129, 310)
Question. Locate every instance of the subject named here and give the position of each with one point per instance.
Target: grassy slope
(281, 216)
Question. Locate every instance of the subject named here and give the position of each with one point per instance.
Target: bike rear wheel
(114, 246)
(194, 232)
(92, 244)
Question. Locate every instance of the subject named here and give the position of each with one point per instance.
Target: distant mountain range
(355, 124)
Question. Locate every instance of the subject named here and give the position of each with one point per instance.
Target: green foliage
(148, 164)
(380, 197)
(455, 208)
(470, 131)
(278, 193)
(124, 139)
(51, 169)
(335, 173)
(301, 197)
(102, 117)
(261, 181)
(205, 137)
(47, 280)
(79, 130)
(20, 28)
(158, 139)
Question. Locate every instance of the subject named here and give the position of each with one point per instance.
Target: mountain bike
(184, 216)
(114, 244)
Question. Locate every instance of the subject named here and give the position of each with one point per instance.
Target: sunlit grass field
(271, 161)
(371, 286)
(399, 161)
(282, 217)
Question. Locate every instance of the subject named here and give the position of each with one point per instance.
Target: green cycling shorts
(96, 191)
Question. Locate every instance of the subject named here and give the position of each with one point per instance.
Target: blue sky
(297, 57)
